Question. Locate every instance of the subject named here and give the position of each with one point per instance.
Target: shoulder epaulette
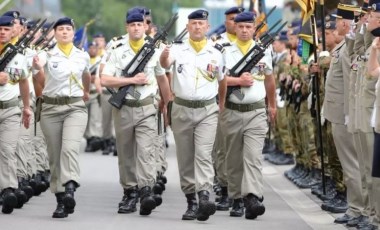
(178, 42)
(219, 47)
(226, 44)
(117, 46)
(117, 38)
(215, 37)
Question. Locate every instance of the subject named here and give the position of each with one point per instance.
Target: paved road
(287, 207)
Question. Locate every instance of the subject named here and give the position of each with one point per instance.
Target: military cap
(46, 26)
(234, 10)
(147, 11)
(23, 21)
(98, 35)
(375, 6)
(30, 24)
(330, 25)
(6, 21)
(136, 17)
(245, 17)
(198, 15)
(295, 23)
(295, 31)
(282, 36)
(136, 10)
(64, 21)
(319, 23)
(92, 44)
(12, 13)
(346, 11)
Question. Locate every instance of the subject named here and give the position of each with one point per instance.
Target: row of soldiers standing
(348, 95)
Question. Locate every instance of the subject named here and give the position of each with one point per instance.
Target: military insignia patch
(55, 64)
(180, 68)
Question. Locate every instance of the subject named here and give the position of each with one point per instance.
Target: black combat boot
(237, 208)
(37, 184)
(45, 177)
(130, 199)
(9, 200)
(24, 185)
(147, 202)
(290, 172)
(60, 210)
(107, 147)
(253, 207)
(206, 208)
(22, 198)
(68, 198)
(336, 205)
(192, 207)
(224, 203)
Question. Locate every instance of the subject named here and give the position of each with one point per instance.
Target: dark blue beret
(245, 17)
(23, 21)
(330, 25)
(6, 21)
(46, 26)
(198, 15)
(295, 23)
(282, 36)
(30, 24)
(136, 10)
(64, 21)
(135, 18)
(98, 35)
(234, 10)
(376, 6)
(92, 44)
(295, 31)
(12, 13)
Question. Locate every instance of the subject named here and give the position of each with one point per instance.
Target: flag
(258, 7)
(307, 7)
(80, 37)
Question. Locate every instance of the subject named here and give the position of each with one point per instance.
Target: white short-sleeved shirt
(114, 43)
(29, 54)
(121, 56)
(63, 75)
(196, 75)
(256, 92)
(375, 113)
(17, 70)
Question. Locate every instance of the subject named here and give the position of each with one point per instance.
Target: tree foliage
(110, 15)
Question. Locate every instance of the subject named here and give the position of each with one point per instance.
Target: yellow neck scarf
(66, 48)
(198, 45)
(231, 37)
(12, 41)
(136, 45)
(92, 60)
(101, 52)
(244, 45)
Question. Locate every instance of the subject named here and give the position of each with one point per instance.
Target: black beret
(330, 25)
(283, 37)
(375, 7)
(198, 15)
(92, 44)
(23, 21)
(64, 21)
(98, 35)
(234, 10)
(12, 13)
(135, 18)
(245, 17)
(6, 21)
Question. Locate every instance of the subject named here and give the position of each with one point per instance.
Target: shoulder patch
(219, 47)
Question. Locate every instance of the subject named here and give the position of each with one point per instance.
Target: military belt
(139, 103)
(8, 104)
(194, 104)
(245, 107)
(61, 100)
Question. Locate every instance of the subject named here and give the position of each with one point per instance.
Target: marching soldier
(135, 122)
(64, 73)
(194, 114)
(13, 83)
(219, 147)
(244, 122)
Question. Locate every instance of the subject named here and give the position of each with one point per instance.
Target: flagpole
(321, 4)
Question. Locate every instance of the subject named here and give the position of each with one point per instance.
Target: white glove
(323, 119)
(309, 101)
(346, 119)
(324, 54)
(280, 103)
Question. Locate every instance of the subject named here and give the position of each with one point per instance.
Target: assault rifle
(43, 38)
(251, 59)
(263, 22)
(138, 64)
(180, 36)
(10, 51)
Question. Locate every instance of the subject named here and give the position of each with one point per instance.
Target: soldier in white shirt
(194, 115)
(244, 122)
(64, 73)
(13, 83)
(219, 155)
(135, 122)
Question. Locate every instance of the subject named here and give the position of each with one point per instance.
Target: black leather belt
(194, 104)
